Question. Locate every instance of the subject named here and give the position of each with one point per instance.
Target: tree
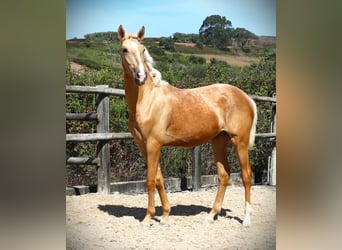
(242, 36)
(217, 31)
(101, 36)
(185, 38)
(167, 43)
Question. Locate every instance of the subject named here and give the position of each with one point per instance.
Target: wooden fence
(103, 136)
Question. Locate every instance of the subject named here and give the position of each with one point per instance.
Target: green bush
(167, 43)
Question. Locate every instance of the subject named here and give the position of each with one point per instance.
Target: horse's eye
(124, 50)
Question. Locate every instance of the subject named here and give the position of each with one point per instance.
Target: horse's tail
(253, 128)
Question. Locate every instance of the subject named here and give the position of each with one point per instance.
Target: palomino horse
(163, 115)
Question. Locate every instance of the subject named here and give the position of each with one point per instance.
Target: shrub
(167, 43)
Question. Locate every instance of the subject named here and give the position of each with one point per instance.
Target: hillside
(265, 41)
(93, 54)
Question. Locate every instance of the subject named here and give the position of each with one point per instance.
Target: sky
(166, 17)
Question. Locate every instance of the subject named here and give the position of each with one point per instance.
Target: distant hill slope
(265, 41)
(97, 55)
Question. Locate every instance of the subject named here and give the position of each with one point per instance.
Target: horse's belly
(192, 132)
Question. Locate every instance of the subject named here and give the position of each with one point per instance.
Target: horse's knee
(160, 185)
(150, 184)
(159, 181)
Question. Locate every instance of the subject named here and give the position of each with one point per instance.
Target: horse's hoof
(164, 224)
(209, 220)
(145, 225)
(246, 223)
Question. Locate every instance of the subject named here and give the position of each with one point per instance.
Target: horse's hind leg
(246, 175)
(220, 145)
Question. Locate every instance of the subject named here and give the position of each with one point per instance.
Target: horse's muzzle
(140, 78)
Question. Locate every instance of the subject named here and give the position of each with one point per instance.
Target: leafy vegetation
(184, 67)
(185, 38)
(218, 31)
(167, 43)
(242, 36)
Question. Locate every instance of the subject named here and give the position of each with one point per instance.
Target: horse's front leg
(153, 156)
(163, 197)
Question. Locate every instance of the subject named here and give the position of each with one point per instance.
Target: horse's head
(132, 53)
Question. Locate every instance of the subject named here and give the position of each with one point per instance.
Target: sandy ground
(95, 221)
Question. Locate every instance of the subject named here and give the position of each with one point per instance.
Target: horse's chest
(149, 112)
(144, 122)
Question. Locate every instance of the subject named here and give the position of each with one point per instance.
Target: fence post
(103, 149)
(273, 165)
(196, 168)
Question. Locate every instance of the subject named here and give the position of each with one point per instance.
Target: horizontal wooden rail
(96, 90)
(263, 98)
(124, 135)
(98, 137)
(82, 160)
(81, 116)
(265, 135)
(121, 92)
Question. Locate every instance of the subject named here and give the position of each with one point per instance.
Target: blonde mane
(156, 75)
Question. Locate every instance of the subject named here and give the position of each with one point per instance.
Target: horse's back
(234, 109)
(194, 116)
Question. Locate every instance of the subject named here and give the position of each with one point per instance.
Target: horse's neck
(134, 93)
(131, 93)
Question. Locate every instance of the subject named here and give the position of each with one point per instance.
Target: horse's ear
(121, 32)
(141, 33)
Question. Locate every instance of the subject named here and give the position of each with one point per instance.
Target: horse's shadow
(179, 210)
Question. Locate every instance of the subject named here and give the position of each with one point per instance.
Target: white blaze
(141, 70)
